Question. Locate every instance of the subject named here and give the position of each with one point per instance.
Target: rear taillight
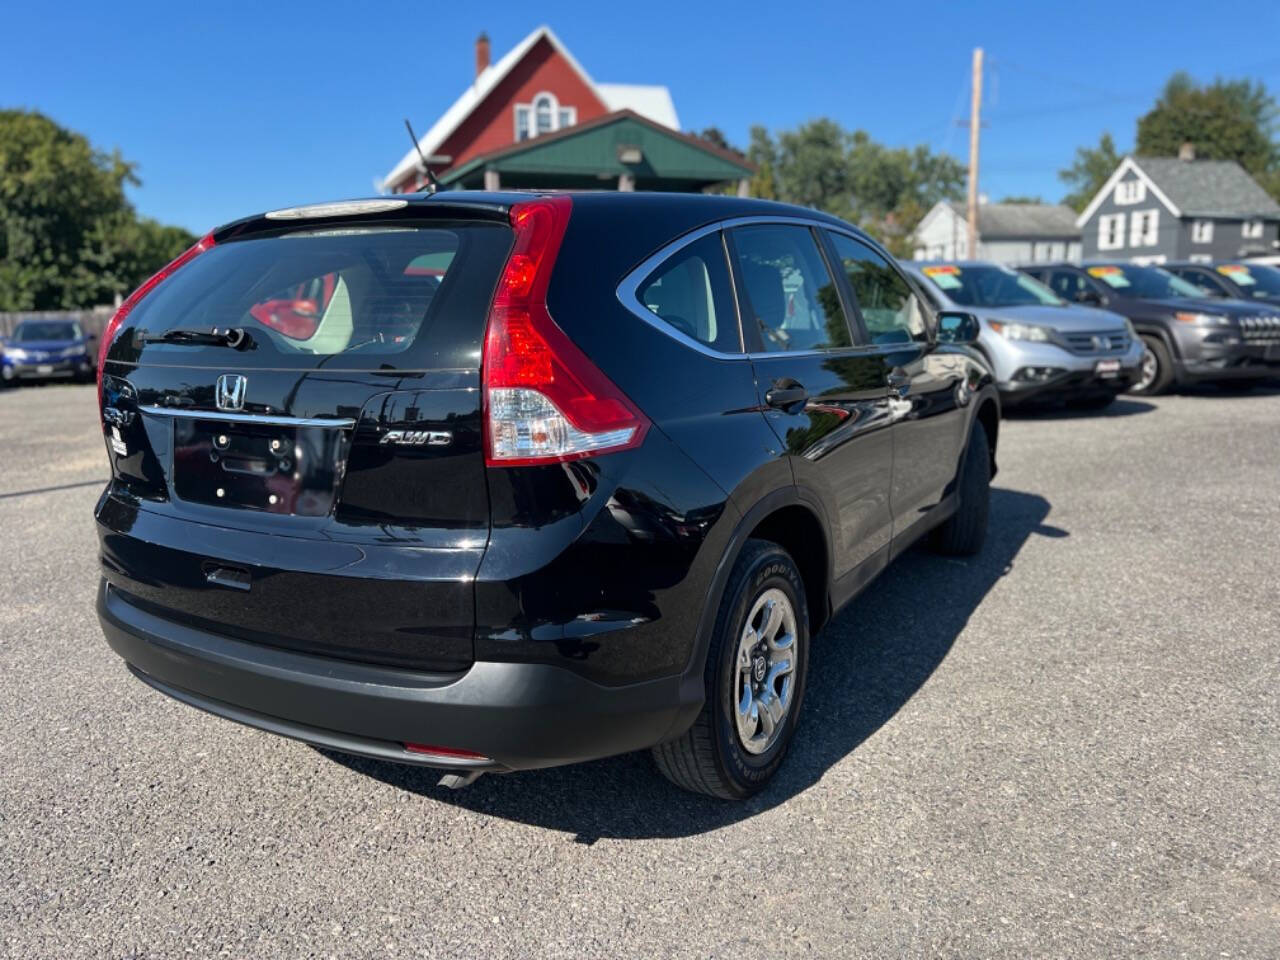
(544, 401)
(113, 325)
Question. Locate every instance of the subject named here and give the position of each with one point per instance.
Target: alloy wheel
(1150, 370)
(765, 674)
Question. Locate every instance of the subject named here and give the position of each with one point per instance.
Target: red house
(536, 119)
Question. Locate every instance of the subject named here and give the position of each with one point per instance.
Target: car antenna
(422, 161)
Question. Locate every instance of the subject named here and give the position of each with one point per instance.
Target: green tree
(68, 235)
(763, 153)
(886, 190)
(1223, 120)
(1089, 171)
(716, 135)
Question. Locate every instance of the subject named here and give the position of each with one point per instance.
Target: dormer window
(1130, 191)
(543, 114)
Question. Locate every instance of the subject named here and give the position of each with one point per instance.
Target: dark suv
(1189, 338)
(542, 478)
(1232, 279)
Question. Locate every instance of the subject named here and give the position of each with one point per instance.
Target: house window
(543, 114)
(1130, 191)
(1144, 228)
(1202, 231)
(1251, 230)
(1111, 231)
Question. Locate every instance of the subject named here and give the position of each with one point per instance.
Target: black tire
(1163, 377)
(963, 533)
(710, 757)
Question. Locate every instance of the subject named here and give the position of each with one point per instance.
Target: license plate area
(1107, 368)
(244, 466)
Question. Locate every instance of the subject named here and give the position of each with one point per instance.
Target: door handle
(786, 393)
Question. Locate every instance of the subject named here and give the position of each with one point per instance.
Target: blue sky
(232, 108)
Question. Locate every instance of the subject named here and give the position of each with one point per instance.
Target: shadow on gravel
(1231, 391)
(1121, 407)
(867, 663)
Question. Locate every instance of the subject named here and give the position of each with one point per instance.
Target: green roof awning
(598, 152)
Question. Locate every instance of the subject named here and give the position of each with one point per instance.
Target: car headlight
(15, 353)
(72, 352)
(1022, 331)
(1130, 329)
(1203, 319)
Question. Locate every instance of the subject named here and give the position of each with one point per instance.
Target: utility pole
(975, 109)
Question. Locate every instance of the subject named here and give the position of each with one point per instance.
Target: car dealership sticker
(1237, 272)
(117, 443)
(1112, 275)
(946, 276)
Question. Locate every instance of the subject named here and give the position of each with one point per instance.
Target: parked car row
(46, 350)
(1084, 333)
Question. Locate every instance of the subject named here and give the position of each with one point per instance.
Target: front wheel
(964, 532)
(754, 681)
(1156, 372)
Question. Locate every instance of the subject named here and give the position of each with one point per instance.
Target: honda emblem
(230, 392)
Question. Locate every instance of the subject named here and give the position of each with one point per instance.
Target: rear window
(345, 298)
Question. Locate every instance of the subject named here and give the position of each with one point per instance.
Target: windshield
(1254, 280)
(381, 297)
(983, 286)
(32, 331)
(1149, 283)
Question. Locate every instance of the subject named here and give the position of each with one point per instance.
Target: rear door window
(788, 295)
(691, 293)
(361, 297)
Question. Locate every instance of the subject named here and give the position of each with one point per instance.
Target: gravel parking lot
(1065, 747)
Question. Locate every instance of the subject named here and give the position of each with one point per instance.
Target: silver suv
(1037, 345)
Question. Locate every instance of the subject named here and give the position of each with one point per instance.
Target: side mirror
(957, 327)
(1090, 298)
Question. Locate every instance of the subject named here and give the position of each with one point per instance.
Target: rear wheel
(754, 677)
(963, 533)
(1156, 372)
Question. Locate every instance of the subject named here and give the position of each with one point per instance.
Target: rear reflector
(448, 753)
(545, 401)
(113, 325)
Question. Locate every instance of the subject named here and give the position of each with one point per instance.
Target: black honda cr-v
(490, 482)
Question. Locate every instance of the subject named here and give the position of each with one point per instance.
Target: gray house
(1007, 233)
(1155, 209)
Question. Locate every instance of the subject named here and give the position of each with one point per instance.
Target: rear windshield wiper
(234, 337)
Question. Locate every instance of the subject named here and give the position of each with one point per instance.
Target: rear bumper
(517, 715)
